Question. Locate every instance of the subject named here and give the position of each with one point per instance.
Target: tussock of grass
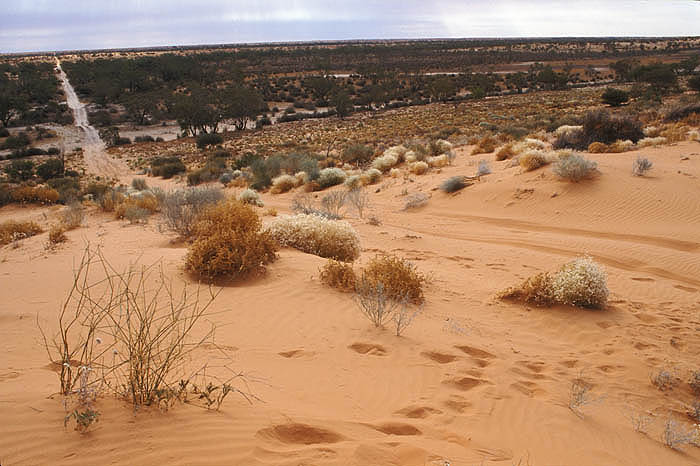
(316, 235)
(12, 231)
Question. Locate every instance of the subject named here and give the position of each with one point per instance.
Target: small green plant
(84, 419)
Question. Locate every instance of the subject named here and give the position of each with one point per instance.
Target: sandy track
(97, 160)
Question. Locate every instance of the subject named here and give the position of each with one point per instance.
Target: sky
(52, 25)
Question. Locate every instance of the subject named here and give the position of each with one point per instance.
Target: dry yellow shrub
(506, 151)
(536, 290)
(534, 159)
(399, 278)
(12, 231)
(228, 242)
(38, 194)
(598, 148)
(338, 275)
(149, 203)
(485, 145)
(57, 234)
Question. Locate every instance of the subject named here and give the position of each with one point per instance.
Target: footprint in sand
(368, 348)
(441, 358)
(463, 383)
(417, 412)
(295, 353)
(457, 404)
(685, 288)
(300, 434)
(397, 428)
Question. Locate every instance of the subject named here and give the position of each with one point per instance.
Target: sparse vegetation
(229, 242)
(664, 380)
(313, 234)
(182, 207)
(574, 168)
(11, 231)
(641, 166)
(578, 283)
(338, 275)
(399, 278)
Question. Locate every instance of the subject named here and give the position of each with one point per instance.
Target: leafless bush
(359, 199)
(664, 380)
(416, 200)
(182, 207)
(404, 315)
(333, 203)
(374, 302)
(580, 395)
(483, 169)
(675, 435)
(128, 332)
(641, 165)
(640, 421)
(72, 216)
(694, 411)
(304, 204)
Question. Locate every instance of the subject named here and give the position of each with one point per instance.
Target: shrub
(5, 194)
(72, 216)
(574, 168)
(353, 182)
(682, 111)
(357, 153)
(167, 167)
(136, 208)
(485, 145)
(614, 97)
(332, 203)
(389, 158)
(182, 207)
(229, 242)
(144, 138)
(506, 151)
(651, 142)
(139, 184)
(209, 139)
(454, 184)
(12, 231)
(68, 188)
(439, 146)
(418, 168)
(415, 200)
(283, 183)
(641, 165)
(694, 382)
(438, 161)
(338, 275)
(212, 169)
(483, 169)
(250, 196)
(581, 282)
(371, 176)
(17, 141)
(316, 235)
(359, 199)
(399, 278)
(534, 159)
(600, 126)
(57, 235)
(331, 177)
(536, 290)
(4, 132)
(38, 194)
(134, 214)
(52, 168)
(20, 170)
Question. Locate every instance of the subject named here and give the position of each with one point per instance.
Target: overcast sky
(39, 25)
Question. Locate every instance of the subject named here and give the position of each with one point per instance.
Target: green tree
(614, 97)
(342, 104)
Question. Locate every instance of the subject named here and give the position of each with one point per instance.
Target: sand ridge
(473, 381)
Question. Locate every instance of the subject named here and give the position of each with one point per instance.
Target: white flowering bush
(301, 178)
(443, 146)
(353, 182)
(283, 183)
(651, 131)
(334, 239)
(438, 161)
(371, 176)
(410, 156)
(330, 177)
(391, 157)
(574, 168)
(651, 142)
(394, 172)
(418, 168)
(581, 282)
(566, 130)
(250, 196)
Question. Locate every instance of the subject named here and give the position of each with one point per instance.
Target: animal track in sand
(295, 353)
(643, 279)
(9, 376)
(527, 388)
(685, 288)
(457, 403)
(300, 434)
(463, 383)
(397, 428)
(475, 352)
(368, 348)
(417, 412)
(441, 358)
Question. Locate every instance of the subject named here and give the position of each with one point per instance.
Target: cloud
(81, 24)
